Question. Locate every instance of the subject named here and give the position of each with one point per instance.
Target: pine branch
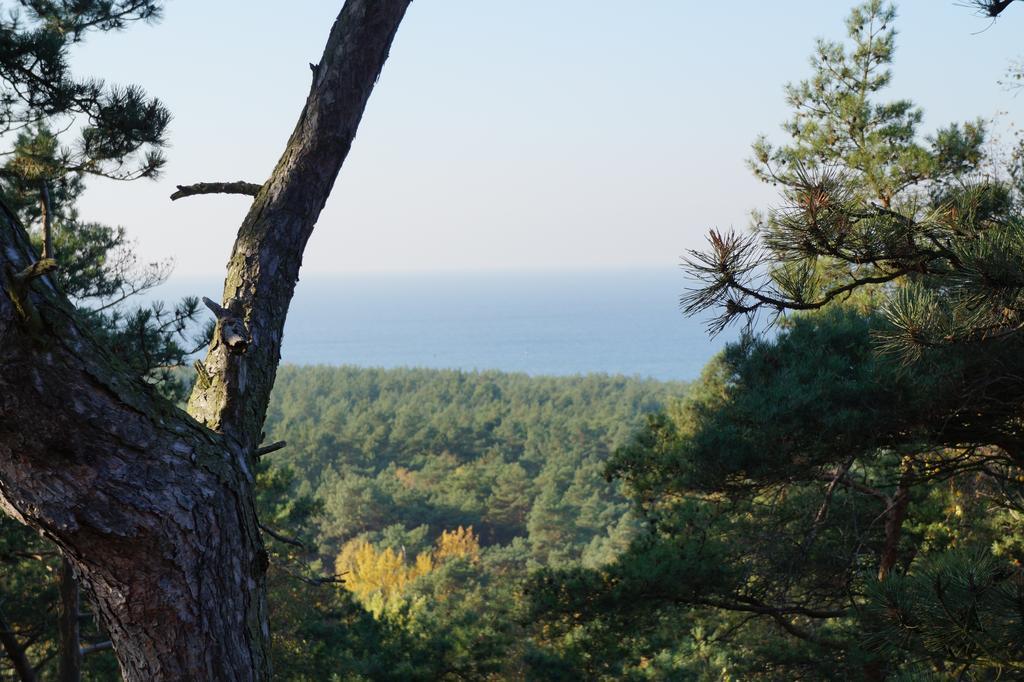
(992, 8)
(16, 652)
(239, 187)
(95, 648)
(267, 449)
(281, 537)
(779, 615)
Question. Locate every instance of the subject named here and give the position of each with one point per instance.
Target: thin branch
(859, 487)
(336, 579)
(14, 557)
(267, 449)
(94, 648)
(778, 614)
(16, 652)
(239, 187)
(126, 293)
(819, 518)
(281, 537)
(825, 299)
(317, 582)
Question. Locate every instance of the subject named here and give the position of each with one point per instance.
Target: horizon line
(525, 269)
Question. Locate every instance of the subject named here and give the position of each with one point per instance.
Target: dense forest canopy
(436, 492)
(402, 449)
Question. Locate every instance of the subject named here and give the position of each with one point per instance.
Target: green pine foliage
(841, 493)
(962, 607)
(60, 130)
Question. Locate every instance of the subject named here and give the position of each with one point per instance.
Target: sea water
(573, 322)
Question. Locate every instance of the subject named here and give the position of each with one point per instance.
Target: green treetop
(61, 129)
(845, 493)
(839, 123)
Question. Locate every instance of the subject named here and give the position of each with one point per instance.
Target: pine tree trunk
(154, 507)
(70, 640)
(46, 211)
(894, 518)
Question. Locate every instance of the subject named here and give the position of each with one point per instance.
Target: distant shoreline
(484, 372)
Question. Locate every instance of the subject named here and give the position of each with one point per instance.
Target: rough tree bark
(154, 507)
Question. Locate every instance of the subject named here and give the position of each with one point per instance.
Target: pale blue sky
(507, 135)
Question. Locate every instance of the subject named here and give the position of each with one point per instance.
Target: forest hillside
(434, 493)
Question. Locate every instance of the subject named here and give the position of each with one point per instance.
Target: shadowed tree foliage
(64, 130)
(843, 493)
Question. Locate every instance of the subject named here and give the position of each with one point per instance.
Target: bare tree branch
(95, 648)
(239, 187)
(267, 449)
(281, 537)
(16, 652)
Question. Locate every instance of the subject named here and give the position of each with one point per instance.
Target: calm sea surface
(615, 321)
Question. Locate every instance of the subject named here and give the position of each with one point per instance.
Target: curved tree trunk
(152, 506)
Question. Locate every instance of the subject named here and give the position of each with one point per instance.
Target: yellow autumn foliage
(368, 571)
(378, 578)
(459, 543)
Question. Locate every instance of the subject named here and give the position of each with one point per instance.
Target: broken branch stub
(267, 449)
(34, 271)
(232, 330)
(16, 284)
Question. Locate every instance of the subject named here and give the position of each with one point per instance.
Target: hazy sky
(510, 134)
